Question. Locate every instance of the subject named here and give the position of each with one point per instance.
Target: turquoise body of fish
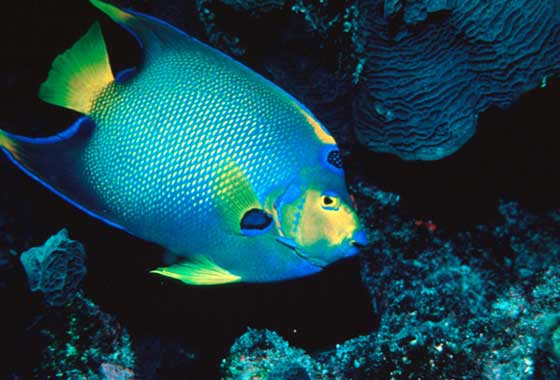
(194, 151)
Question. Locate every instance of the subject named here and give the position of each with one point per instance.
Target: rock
(263, 354)
(56, 269)
(84, 342)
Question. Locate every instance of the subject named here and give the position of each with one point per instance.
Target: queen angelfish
(195, 152)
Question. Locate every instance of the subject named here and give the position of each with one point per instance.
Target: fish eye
(330, 202)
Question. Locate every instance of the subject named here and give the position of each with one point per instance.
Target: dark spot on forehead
(335, 159)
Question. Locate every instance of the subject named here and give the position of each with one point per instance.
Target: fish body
(197, 153)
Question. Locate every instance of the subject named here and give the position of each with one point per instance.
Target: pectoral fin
(234, 197)
(201, 271)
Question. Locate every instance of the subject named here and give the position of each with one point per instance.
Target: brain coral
(433, 65)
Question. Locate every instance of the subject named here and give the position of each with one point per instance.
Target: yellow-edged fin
(112, 11)
(78, 75)
(233, 195)
(154, 35)
(10, 145)
(200, 271)
(322, 134)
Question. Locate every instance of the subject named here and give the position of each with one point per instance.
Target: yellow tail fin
(9, 144)
(79, 74)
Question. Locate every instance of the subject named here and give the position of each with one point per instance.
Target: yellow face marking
(324, 222)
(318, 223)
(115, 13)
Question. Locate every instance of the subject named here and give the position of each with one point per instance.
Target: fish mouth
(357, 244)
(359, 240)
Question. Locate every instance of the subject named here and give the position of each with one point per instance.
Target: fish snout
(359, 239)
(358, 242)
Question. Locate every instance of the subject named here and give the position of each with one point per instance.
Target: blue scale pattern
(165, 137)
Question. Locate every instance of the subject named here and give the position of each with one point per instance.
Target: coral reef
(470, 303)
(265, 355)
(84, 343)
(56, 269)
(433, 66)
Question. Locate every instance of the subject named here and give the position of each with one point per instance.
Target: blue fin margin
(73, 130)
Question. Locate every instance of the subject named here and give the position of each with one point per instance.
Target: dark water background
(514, 154)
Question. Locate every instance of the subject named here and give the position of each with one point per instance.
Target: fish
(196, 152)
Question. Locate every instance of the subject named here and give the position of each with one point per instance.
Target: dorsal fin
(78, 75)
(151, 33)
